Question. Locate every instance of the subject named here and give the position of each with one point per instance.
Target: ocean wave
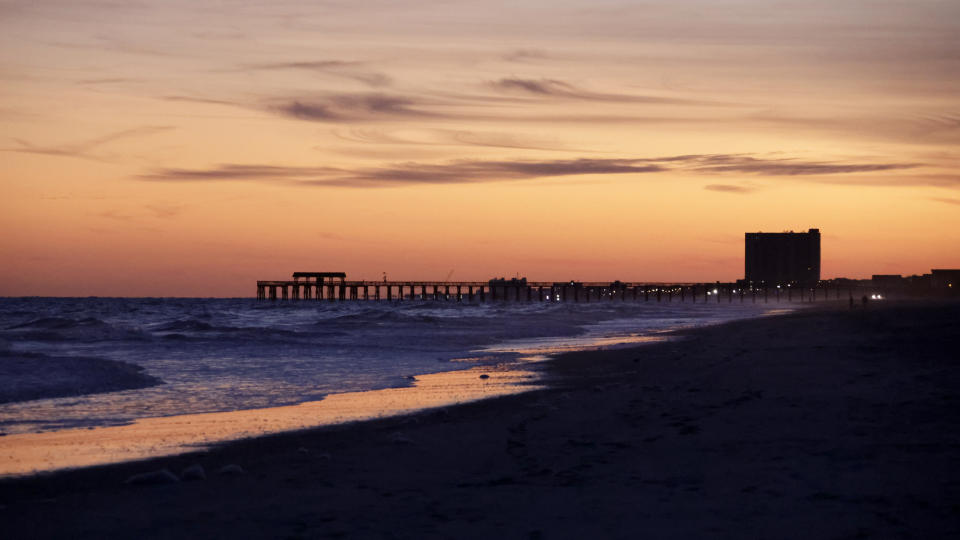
(185, 325)
(372, 316)
(195, 329)
(26, 376)
(58, 323)
(85, 329)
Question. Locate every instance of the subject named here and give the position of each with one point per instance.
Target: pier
(334, 287)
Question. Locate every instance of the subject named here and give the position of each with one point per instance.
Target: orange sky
(189, 148)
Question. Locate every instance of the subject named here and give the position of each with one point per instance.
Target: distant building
(782, 258)
(889, 280)
(945, 279)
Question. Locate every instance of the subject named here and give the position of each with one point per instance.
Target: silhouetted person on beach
(864, 301)
(851, 301)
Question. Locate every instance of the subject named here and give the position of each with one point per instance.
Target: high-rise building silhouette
(782, 258)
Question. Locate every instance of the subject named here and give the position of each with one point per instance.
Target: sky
(190, 148)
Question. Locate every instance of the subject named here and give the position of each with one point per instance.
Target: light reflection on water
(538, 350)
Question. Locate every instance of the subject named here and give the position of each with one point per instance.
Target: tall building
(781, 258)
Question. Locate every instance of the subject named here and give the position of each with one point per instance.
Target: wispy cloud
(112, 43)
(241, 172)
(544, 87)
(116, 215)
(947, 200)
(939, 128)
(527, 55)
(108, 80)
(456, 172)
(84, 149)
(472, 171)
(352, 108)
(561, 89)
(744, 164)
(204, 101)
(451, 137)
(338, 68)
(889, 180)
(727, 188)
(505, 140)
(164, 211)
(369, 107)
(147, 212)
(314, 65)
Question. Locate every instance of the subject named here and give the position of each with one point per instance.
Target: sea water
(214, 355)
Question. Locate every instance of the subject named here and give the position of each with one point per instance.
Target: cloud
(472, 171)
(479, 171)
(946, 120)
(451, 137)
(938, 128)
(456, 172)
(726, 188)
(337, 108)
(164, 211)
(546, 87)
(352, 108)
(563, 90)
(891, 180)
(527, 55)
(366, 107)
(504, 140)
(108, 80)
(370, 136)
(318, 65)
(309, 111)
(110, 42)
(947, 200)
(515, 101)
(147, 212)
(116, 216)
(339, 68)
(743, 164)
(204, 101)
(240, 172)
(84, 149)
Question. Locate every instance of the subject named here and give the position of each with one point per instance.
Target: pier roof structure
(319, 275)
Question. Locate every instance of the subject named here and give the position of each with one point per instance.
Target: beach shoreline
(49, 452)
(218, 356)
(826, 422)
(517, 370)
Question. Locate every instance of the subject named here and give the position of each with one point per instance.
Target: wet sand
(818, 424)
(170, 435)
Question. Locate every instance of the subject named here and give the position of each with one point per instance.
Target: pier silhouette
(334, 286)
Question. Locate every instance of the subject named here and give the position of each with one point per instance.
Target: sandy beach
(825, 423)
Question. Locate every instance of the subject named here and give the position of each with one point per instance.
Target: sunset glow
(189, 148)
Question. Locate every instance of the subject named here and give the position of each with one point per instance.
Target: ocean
(93, 362)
